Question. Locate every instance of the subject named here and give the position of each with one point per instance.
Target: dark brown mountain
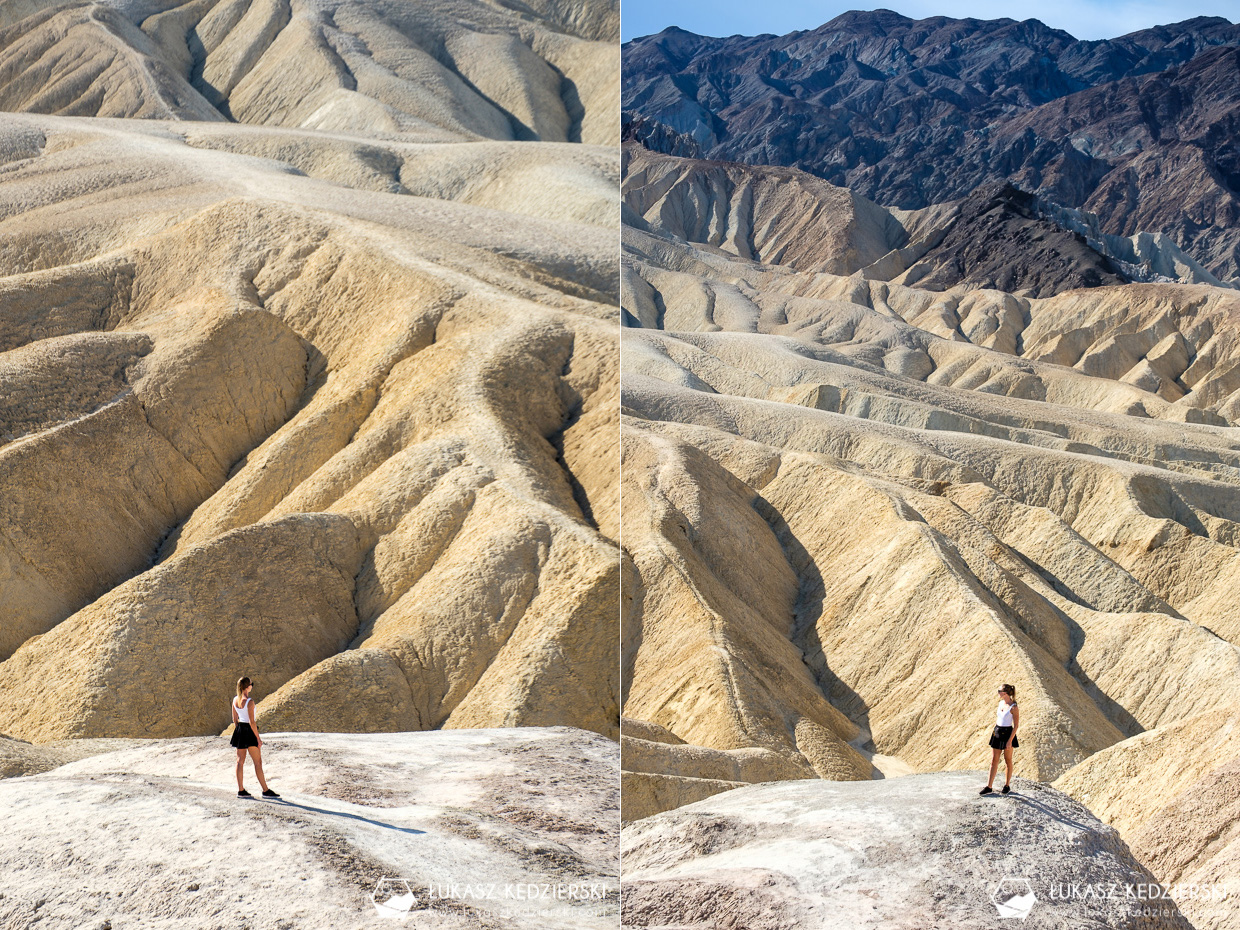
(999, 241)
(1140, 130)
(997, 237)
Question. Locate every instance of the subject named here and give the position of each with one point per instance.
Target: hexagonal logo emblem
(393, 898)
(1013, 897)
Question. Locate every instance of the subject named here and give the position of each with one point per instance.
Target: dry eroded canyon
(307, 341)
(853, 504)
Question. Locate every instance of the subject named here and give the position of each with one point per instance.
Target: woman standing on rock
(1003, 739)
(245, 737)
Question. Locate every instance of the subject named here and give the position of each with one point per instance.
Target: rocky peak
(917, 112)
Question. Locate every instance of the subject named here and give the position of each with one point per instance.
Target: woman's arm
(233, 705)
(254, 721)
(1015, 723)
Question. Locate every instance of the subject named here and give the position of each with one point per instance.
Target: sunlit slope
(437, 69)
(312, 407)
(913, 495)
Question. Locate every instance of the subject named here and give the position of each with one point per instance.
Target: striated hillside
(327, 402)
(1136, 130)
(448, 69)
(997, 237)
(858, 496)
(1173, 791)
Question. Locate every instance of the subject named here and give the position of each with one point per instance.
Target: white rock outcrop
(155, 836)
(920, 851)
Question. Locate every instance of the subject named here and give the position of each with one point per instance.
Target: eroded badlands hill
(321, 402)
(447, 69)
(854, 506)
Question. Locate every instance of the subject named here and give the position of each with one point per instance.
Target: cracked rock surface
(153, 834)
(919, 851)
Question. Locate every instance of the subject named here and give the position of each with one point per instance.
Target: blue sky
(1085, 19)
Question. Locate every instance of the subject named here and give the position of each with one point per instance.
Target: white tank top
(1003, 717)
(243, 712)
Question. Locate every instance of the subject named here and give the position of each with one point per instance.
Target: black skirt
(243, 735)
(998, 739)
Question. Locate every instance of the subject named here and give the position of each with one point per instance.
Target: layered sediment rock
(331, 404)
(879, 460)
(449, 70)
(854, 506)
(1171, 792)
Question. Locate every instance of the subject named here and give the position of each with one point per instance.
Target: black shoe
(244, 794)
(1006, 789)
(268, 793)
(987, 790)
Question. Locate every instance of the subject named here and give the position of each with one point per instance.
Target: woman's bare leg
(240, 768)
(257, 755)
(1007, 758)
(994, 767)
